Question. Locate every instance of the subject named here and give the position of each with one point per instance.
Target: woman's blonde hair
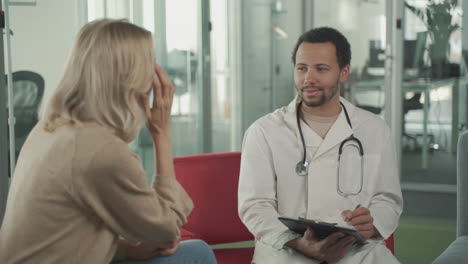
(110, 64)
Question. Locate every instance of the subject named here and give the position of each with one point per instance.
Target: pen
(357, 206)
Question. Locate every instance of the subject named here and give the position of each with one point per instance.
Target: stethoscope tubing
(298, 119)
(302, 166)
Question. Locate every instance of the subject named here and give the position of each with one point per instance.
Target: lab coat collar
(339, 131)
(290, 120)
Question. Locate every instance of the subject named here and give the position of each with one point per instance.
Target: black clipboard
(321, 229)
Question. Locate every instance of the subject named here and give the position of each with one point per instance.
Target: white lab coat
(269, 186)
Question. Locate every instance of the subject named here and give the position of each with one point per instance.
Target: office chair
(372, 71)
(413, 103)
(28, 89)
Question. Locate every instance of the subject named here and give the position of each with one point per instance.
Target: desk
(422, 86)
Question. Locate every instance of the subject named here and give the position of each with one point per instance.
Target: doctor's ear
(344, 73)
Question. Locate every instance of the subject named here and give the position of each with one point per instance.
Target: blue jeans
(190, 252)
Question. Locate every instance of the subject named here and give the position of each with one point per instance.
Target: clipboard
(321, 229)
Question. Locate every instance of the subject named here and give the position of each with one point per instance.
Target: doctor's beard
(323, 97)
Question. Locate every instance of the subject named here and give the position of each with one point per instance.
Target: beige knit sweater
(75, 191)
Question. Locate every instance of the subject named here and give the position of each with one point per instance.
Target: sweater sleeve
(114, 189)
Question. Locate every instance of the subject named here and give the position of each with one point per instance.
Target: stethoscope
(302, 166)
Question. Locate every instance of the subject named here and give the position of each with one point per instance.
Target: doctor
(320, 158)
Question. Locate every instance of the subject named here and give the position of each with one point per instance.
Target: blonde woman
(79, 194)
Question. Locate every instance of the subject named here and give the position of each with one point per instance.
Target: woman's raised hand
(158, 115)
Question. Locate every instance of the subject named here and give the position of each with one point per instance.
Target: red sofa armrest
(390, 244)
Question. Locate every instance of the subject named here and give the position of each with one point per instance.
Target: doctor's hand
(332, 248)
(361, 219)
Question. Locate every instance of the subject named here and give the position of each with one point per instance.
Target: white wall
(43, 37)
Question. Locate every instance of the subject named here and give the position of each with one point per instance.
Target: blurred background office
(230, 63)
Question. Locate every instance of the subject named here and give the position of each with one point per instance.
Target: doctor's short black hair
(327, 34)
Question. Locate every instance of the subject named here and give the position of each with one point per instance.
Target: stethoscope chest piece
(301, 168)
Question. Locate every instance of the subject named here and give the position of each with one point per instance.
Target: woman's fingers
(158, 111)
(169, 250)
(146, 108)
(157, 89)
(167, 87)
(163, 88)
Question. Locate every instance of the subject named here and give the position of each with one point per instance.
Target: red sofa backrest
(211, 180)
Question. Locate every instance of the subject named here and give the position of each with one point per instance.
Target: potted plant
(437, 16)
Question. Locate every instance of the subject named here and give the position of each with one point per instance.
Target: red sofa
(211, 180)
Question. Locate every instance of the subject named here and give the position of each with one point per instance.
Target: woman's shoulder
(89, 142)
(92, 137)
(99, 150)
